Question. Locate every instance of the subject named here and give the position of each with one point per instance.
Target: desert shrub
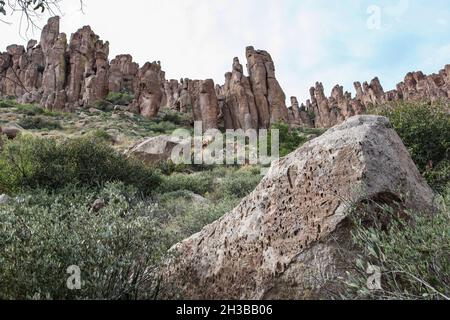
(101, 135)
(117, 249)
(30, 162)
(7, 104)
(439, 176)
(199, 183)
(119, 98)
(424, 129)
(413, 254)
(29, 109)
(290, 138)
(38, 123)
(177, 118)
(240, 183)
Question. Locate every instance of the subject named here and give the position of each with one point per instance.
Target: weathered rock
(147, 89)
(4, 199)
(209, 105)
(239, 108)
(269, 97)
(54, 45)
(285, 239)
(155, 150)
(11, 131)
(122, 74)
(88, 58)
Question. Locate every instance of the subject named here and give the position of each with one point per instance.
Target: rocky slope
(289, 239)
(65, 75)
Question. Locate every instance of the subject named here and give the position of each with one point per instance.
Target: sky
(334, 42)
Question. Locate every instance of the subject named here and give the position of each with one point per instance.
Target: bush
(39, 123)
(240, 183)
(29, 162)
(290, 139)
(424, 129)
(7, 104)
(412, 254)
(199, 183)
(119, 98)
(117, 250)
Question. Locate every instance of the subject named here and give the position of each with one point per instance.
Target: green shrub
(240, 183)
(199, 183)
(101, 135)
(29, 109)
(117, 249)
(7, 104)
(424, 129)
(29, 162)
(38, 123)
(413, 254)
(290, 139)
(177, 118)
(119, 98)
(439, 176)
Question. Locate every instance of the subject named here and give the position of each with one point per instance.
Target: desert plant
(119, 98)
(425, 130)
(30, 162)
(39, 123)
(117, 249)
(411, 250)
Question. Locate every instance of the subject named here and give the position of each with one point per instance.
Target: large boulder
(284, 240)
(155, 150)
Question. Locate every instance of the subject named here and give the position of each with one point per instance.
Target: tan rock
(155, 150)
(147, 89)
(122, 74)
(284, 241)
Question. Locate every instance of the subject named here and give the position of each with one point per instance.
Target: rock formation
(64, 76)
(284, 241)
(148, 93)
(269, 97)
(155, 150)
(239, 106)
(89, 65)
(341, 106)
(122, 74)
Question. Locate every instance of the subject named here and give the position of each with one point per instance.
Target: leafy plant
(29, 162)
(413, 253)
(39, 123)
(118, 249)
(425, 130)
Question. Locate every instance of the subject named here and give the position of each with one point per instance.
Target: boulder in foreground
(284, 240)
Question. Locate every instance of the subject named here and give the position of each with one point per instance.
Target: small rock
(4, 199)
(98, 205)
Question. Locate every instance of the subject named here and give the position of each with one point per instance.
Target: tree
(30, 10)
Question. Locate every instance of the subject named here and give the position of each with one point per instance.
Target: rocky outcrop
(269, 97)
(148, 92)
(239, 107)
(122, 74)
(88, 77)
(155, 150)
(285, 240)
(298, 116)
(208, 104)
(54, 46)
(64, 76)
(341, 106)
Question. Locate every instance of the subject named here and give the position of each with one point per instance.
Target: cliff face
(62, 75)
(341, 106)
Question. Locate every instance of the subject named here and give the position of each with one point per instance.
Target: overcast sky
(336, 42)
